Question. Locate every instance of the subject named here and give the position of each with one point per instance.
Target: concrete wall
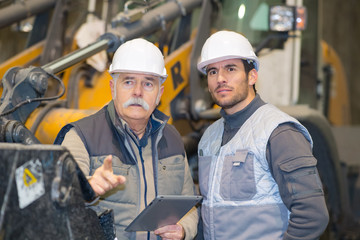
(341, 29)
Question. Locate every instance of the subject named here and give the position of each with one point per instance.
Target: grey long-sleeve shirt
(309, 215)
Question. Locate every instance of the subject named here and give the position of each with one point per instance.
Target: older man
(129, 138)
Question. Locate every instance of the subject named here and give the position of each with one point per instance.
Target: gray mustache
(136, 101)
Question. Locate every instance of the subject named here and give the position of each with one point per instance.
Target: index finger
(108, 163)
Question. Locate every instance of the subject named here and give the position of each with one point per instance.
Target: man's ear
(161, 91)
(252, 76)
(112, 85)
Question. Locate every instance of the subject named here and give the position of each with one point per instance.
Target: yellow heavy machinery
(52, 83)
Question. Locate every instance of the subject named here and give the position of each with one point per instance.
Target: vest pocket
(237, 178)
(119, 168)
(204, 171)
(171, 172)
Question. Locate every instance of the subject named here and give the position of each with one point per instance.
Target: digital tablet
(163, 210)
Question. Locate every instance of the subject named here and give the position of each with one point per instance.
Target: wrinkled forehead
(136, 76)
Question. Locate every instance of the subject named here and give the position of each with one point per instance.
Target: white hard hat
(224, 45)
(139, 56)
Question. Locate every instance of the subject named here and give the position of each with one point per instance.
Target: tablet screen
(163, 210)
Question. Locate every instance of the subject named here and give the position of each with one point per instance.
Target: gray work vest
(241, 198)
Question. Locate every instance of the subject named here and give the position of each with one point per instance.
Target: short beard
(137, 101)
(235, 100)
(232, 102)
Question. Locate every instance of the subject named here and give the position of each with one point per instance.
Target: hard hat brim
(202, 65)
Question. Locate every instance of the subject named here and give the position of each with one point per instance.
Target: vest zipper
(144, 176)
(145, 183)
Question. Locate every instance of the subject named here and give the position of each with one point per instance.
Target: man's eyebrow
(130, 77)
(230, 65)
(150, 78)
(226, 66)
(127, 77)
(210, 68)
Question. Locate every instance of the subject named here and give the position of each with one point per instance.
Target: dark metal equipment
(43, 194)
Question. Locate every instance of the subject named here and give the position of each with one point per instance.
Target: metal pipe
(199, 100)
(91, 10)
(22, 10)
(151, 21)
(155, 18)
(71, 59)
